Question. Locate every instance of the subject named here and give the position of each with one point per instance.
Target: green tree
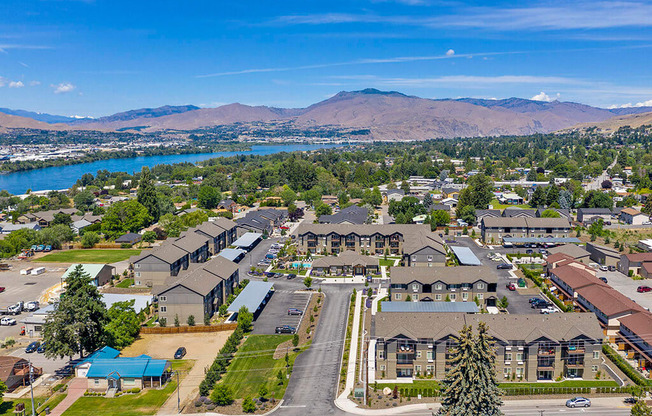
(307, 281)
(149, 236)
(376, 197)
(191, 320)
(84, 200)
(550, 213)
(77, 325)
(478, 192)
(323, 209)
(146, 194)
(125, 216)
(89, 239)
(222, 395)
(466, 214)
(295, 340)
(288, 195)
(245, 319)
(280, 377)
(3, 389)
(208, 197)
(440, 218)
(123, 326)
(61, 218)
(538, 198)
(597, 199)
(248, 405)
(427, 201)
(263, 391)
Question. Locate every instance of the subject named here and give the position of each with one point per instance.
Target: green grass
(125, 283)
(88, 256)
(8, 405)
(534, 267)
(498, 205)
(254, 365)
(433, 384)
(386, 263)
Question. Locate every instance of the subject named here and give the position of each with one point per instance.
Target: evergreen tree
(147, 194)
(77, 325)
(538, 197)
(427, 201)
(489, 393)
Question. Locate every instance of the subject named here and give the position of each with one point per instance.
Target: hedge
(221, 362)
(534, 276)
(624, 366)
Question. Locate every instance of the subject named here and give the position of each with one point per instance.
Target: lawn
(386, 263)
(125, 283)
(88, 256)
(254, 365)
(7, 406)
(498, 205)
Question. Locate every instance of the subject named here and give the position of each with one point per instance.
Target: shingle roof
(202, 278)
(224, 223)
(189, 242)
(169, 253)
(346, 258)
(558, 257)
(640, 324)
(129, 238)
(609, 301)
(639, 257)
(352, 215)
(575, 277)
(501, 222)
(7, 364)
(631, 211)
(429, 275)
(512, 327)
(221, 267)
(572, 250)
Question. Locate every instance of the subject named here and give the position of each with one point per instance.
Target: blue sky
(97, 57)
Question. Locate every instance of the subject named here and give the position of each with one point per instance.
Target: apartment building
(528, 347)
(609, 305)
(415, 243)
(444, 284)
(639, 264)
(153, 267)
(221, 232)
(495, 229)
(636, 339)
(572, 277)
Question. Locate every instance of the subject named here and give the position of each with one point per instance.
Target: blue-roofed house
(106, 370)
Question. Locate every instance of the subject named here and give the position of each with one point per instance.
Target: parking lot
(627, 286)
(276, 311)
(25, 288)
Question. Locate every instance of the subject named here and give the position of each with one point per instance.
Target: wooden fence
(187, 329)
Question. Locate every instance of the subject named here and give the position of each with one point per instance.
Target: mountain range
(389, 115)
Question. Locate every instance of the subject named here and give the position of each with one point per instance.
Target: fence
(523, 391)
(188, 329)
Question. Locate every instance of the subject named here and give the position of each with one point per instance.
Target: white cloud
(647, 103)
(542, 96)
(34, 83)
(450, 52)
(62, 87)
(16, 84)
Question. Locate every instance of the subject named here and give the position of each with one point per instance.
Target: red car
(2, 289)
(644, 289)
(511, 286)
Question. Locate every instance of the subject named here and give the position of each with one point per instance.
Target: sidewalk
(353, 350)
(76, 389)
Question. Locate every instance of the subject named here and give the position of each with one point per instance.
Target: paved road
(597, 182)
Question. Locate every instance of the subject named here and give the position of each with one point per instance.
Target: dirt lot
(201, 347)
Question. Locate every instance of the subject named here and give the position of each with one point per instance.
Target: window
(480, 295)
(129, 381)
(480, 285)
(415, 286)
(519, 372)
(414, 258)
(453, 296)
(417, 368)
(164, 308)
(465, 296)
(430, 369)
(381, 355)
(163, 298)
(382, 368)
(596, 355)
(438, 286)
(137, 274)
(38, 328)
(429, 258)
(508, 356)
(418, 354)
(507, 371)
(415, 297)
(430, 355)
(519, 356)
(397, 296)
(96, 381)
(594, 368)
(137, 265)
(437, 297)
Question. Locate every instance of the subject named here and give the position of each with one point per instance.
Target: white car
(7, 321)
(547, 311)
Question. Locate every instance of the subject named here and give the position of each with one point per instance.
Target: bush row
(535, 277)
(624, 366)
(415, 392)
(221, 362)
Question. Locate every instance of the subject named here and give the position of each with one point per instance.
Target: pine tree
(427, 201)
(147, 194)
(489, 393)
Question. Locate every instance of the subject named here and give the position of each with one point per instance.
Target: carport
(541, 240)
(254, 296)
(247, 241)
(233, 254)
(466, 256)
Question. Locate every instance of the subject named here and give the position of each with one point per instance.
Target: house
(262, 221)
(574, 251)
(331, 200)
(451, 284)
(439, 207)
(199, 291)
(634, 263)
(100, 274)
(153, 267)
(44, 218)
(349, 215)
(79, 225)
(531, 348)
(347, 263)
(129, 238)
(645, 245)
(228, 205)
(392, 195)
(606, 256)
(8, 228)
(633, 216)
(15, 372)
(590, 215)
(450, 202)
(510, 199)
(635, 338)
(123, 373)
(609, 305)
(451, 192)
(106, 352)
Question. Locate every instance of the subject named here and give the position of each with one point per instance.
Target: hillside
(613, 124)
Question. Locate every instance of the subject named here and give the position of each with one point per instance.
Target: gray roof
(251, 296)
(466, 256)
(594, 211)
(548, 240)
(129, 238)
(501, 222)
(189, 242)
(572, 250)
(511, 212)
(224, 223)
(346, 258)
(221, 267)
(231, 253)
(511, 327)
(525, 222)
(432, 307)
(202, 277)
(481, 213)
(168, 253)
(352, 215)
(81, 224)
(208, 228)
(429, 275)
(247, 239)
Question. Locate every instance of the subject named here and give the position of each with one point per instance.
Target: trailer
(37, 271)
(26, 271)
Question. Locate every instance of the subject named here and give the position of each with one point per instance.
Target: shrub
(162, 322)
(248, 405)
(624, 366)
(135, 390)
(222, 395)
(89, 239)
(125, 245)
(210, 407)
(191, 320)
(198, 403)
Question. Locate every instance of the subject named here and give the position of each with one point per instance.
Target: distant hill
(44, 117)
(613, 124)
(388, 115)
(13, 122)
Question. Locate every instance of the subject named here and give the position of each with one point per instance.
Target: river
(62, 177)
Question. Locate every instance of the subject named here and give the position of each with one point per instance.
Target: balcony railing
(575, 365)
(546, 352)
(579, 350)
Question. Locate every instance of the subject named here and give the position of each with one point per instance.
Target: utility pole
(178, 394)
(31, 385)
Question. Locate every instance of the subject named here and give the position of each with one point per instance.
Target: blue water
(62, 177)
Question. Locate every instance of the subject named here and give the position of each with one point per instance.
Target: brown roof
(631, 211)
(576, 277)
(639, 257)
(607, 300)
(7, 364)
(557, 257)
(512, 327)
(202, 277)
(430, 275)
(572, 250)
(640, 324)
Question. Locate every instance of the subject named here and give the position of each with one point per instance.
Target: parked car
(270, 256)
(40, 247)
(578, 402)
(285, 329)
(534, 300)
(630, 400)
(180, 353)
(543, 251)
(529, 251)
(604, 279)
(291, 276)
(48, 248)
(505, 266)
(32, 347)
(2, 289)
(612, 268)
(604, 268)
(541, 305)
(32, 306)
(547, 311)
(511, 286)
(295, 311)
(644, 289)
(7, 321)
(41, 348)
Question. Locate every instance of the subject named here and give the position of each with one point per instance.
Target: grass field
(146, 402)
(88, 256)
(498, 205)
(254, 365)
(8, 405)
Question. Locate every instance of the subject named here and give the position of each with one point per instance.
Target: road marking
(296, 405)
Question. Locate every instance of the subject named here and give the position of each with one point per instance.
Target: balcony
(575, 350)
(575, 365)
(546, 367)
(402, 364)
(546, 352)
